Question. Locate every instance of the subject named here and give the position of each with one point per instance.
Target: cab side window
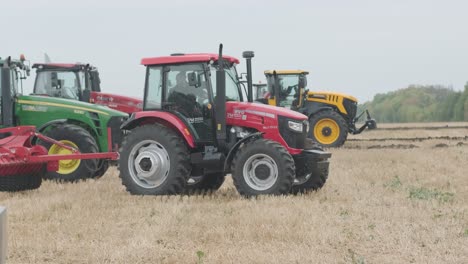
(154, 89)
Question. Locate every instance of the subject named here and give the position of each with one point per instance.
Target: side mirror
(194, 79)
(302, 81)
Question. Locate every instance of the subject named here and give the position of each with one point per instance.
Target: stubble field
(398, 194)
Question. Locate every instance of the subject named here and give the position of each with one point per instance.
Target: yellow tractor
(331, 115)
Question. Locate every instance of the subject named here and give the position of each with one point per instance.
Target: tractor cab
(189, 89)
(260, 91)
(285, 88)
(69, 81)
(79, 82)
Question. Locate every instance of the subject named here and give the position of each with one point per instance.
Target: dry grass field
(393, 196)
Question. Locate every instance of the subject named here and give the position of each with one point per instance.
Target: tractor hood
(332, 94)
(263, 110)
(77, 106)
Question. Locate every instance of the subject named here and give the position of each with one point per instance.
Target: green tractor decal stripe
(61, 105)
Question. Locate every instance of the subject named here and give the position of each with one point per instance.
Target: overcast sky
(358, 47)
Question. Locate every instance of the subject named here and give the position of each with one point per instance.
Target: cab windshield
(232, 85)
(61, 84)
(288, 85)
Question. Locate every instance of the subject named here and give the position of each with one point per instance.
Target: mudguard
(53, 122)
(313, 108)
(165, 118)
(233, 150)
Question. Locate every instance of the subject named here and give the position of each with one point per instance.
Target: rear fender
(157, 117)
(312, 109)
(50, 123)
(233, 150)
(84, 125)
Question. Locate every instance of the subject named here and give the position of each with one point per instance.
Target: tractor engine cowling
(282, 125)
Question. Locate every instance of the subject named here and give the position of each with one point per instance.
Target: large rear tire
(22, 182)
(77, 137)
(263, 167)
(206, 183)
(154, 160)
(328, 128)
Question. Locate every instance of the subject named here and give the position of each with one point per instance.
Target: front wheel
(328, 128)
(311, 173)
(263, 167)
(154, 161)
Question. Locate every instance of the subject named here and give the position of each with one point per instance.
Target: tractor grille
(293, 138)
(351, 108)
(96, 121)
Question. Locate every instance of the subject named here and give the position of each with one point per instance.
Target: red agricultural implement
(23, 164)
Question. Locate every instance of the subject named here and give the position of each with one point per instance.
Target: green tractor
(84, 126)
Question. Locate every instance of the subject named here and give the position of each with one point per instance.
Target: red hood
(266, 109)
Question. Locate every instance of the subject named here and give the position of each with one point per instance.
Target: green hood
(67, 103)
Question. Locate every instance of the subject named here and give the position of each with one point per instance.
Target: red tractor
(81, 82)
(195, 128)
(23, 164)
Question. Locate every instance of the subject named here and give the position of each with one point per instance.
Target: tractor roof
(286, 72)
(186, 58)
(58, 66)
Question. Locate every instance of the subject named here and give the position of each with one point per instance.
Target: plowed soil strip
(419, 139)
(422, 128)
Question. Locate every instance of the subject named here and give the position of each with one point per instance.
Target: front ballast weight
(370, 123)
(23, 164)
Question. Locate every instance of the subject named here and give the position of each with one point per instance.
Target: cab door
(183, 91)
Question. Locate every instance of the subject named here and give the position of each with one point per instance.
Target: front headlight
(295, 126)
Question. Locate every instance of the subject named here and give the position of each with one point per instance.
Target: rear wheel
(328, 128)
(263, 167)
(76, 137)
(205, 183)
(154, 161)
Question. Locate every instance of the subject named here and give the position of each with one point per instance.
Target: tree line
(419, 103)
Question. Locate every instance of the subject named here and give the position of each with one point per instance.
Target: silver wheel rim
(250, 169)
(149, 164)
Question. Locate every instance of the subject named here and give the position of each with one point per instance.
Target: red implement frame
(16, 149)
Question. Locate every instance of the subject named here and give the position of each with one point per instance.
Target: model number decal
(254, 112)
(34, 108)
(195, 120)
